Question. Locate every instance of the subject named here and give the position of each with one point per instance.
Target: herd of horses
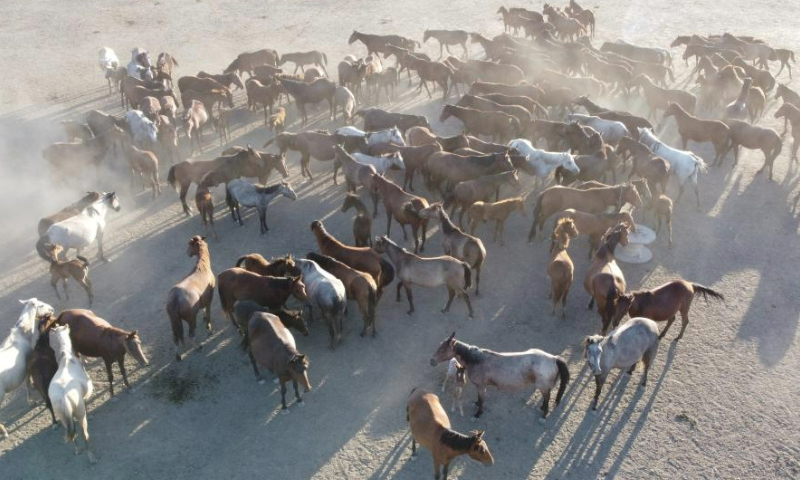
(524, 94)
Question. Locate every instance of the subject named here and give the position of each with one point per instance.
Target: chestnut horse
(560, 269)
(604, 280)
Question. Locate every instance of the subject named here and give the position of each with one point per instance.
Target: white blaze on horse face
(593, 353)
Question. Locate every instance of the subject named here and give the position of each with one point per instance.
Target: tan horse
(190, 295)
(497, 211)
(403, 207)
(560, 269)
(430, 427)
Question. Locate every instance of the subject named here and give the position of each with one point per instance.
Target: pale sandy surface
(722, 404)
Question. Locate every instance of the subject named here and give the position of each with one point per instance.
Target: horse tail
(563, 373)
(387, 272)
(705, 292)
(83, 260)
(41, 250)
(611, 307)
(228, 197)
(324, 58)
(171, 178)
(467, 275)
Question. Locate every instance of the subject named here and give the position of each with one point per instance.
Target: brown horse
(94, 337)
(42, 365)
(604, 280)
(272, 346)
(430, 427)
(77, 268)
(255, 263)
(594, 225)
(468, 192)
(316, 144)
(497, 211)
(403, 207)
(362, 224)
(592, 200)
(314, 92)
(360, 287)
(498, 125)
(248, 61)
(364, 259)
(190, 295)
(183, 174)
(560, 269)
(663, 303)
(242, 311)
(235, 284)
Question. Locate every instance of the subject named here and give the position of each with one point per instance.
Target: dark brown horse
(94, 337)
(403, 207)
(236, 284)
(604, 280)
(42, 364)
(663, 303)
(242, 311)
(314, 92)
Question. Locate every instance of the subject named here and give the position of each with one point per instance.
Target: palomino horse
(240, 193)
(69, 389)
(622, 348)
(430, 427)
(427, 272)
(604, 280)
(507, 371)
(94, 337)
(190, 295)
(327, 294)
(17, 348)
(82, 230)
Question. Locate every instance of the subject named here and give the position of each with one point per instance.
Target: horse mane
(470, 353)
(269, 189)
(458, 441)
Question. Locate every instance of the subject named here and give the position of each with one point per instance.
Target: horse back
(426, 418)
(270, 342)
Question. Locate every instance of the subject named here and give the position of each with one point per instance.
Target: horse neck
(361, 209)
(466, 354)
(203, 259)
(447, 224)
(395, 253)
(560, 244)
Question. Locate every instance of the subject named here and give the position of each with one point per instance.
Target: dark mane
(269, 189)
(470, 353)
(457, 441)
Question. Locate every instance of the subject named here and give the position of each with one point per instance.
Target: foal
(362, 224)
(77, 268)
(560, 269)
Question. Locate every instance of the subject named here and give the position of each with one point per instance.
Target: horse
(355, 173)
(17, 348)
(61, 270)
(430, 426)
(69, 211)
(560, 269)
(255, 263)
(468, 192)
(543, 163)
(604, 280)
(458, 244)
(506, 370)
(362, 223)
(592, 200)
(663, 303)
(458, 375)
(497, 211)
(389, 135)
(403, 207)
(82, 230)
(272, 346)
(248, 61)
(427, 272)
(684, 165)
(239, 193)
(190, 295)
(314, 92)
(69, 390)
(143, 130)
(364, 259)
(42, 365)
(326, 293)
(92, 336)
(108, 62)
(622, 348)
(237, 284)
(242, 311)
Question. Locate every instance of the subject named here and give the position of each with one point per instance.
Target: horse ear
(203, 238)
(452, 337)
(133, 334)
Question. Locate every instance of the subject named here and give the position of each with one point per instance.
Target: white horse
(622, 348)
(143, 130)
(240, 193)
(82, 230)
(612, 131)
(108, 59)
(139, 66)
(684, 165)
(541, 162)
(69, 390)
(326, 293)
(17, 348)
(382, 164)
(389, 135)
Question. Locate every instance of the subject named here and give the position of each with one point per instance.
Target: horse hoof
(55, 426)
(261, 381)
(410, 312)
(413, 458)
(92, 458)
(443, 310)
(284, 411)
(474, 419)
(178, 357)
(275, 381)
(301, 403)
(542, 420)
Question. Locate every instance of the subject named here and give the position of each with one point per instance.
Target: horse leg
(450, 295)
(54, 284)
(399, 286)
(121, 363)
(262, 217)
(465, 295)
(599, 380)
(85, 432)
(297, 394)
(100, 254)
(207, 317)
(389, 223)
(414, 233)
(284, 408)
(697, 191)
(545, 405)
(110, 376)
(479, 403)
(684, 322)
(255, 367)
(410, 299)
(184, 191)
(669, 324)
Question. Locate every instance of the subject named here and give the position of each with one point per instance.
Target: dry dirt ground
(721, 404)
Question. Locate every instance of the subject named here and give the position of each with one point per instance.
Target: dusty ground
(721, 404)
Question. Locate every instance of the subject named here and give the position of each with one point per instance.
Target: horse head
(33, 309)
(353, 37)
(287, 191)
(59, 340)
(592, 350)
(479, 450)
(298, 369)
(568, 162)
(447, 112)
(133, 345)
(196, 243)
(299, 288)
(112, 201)
(446, 350)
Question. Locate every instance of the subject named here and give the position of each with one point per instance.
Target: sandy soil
(721, 404)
